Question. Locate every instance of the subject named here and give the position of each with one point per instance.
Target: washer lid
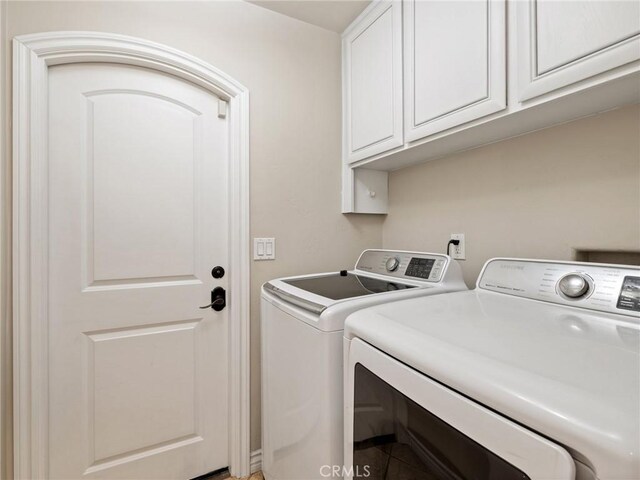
(568, 373)
(338, 287)
(315, 293)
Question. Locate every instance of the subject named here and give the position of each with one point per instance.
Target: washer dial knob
(392, 264)
(574, 285)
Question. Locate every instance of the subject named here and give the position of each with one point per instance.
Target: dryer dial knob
(392, 264)
(574, 285)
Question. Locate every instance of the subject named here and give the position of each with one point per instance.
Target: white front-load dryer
(535, 374)
(302, 321)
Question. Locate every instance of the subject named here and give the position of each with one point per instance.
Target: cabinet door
(564, 42)
(372, 82)
(454, 69)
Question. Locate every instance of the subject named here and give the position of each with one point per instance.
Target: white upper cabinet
(564, 42)
(454, 69)
(372, 82)
(452, 84)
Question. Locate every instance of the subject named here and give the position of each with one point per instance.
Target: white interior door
(138, 217)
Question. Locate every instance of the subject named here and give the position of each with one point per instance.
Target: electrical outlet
(457, 251)
(264, 248)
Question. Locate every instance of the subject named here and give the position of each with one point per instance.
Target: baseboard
(256, 461)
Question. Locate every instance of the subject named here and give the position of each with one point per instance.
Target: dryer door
(401, 424)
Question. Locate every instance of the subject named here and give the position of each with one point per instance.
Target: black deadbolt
(217, 272)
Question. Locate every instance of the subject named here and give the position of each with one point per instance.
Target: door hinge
(222, 108)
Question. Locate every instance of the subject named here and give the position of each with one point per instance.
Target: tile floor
(255, 476)
(395, 460)
(225, 476)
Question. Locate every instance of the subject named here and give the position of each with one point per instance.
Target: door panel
(414, 441)
(560, 43)
(377, 414)
(138, 214)
(451, 70)
(454, 64)
(371, 73)
(372, 52)
(124, 247)
(568, 30)
(115, 397)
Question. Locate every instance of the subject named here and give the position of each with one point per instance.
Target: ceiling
(335, 15)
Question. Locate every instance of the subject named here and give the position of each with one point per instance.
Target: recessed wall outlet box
(264, 248)
(457, 251)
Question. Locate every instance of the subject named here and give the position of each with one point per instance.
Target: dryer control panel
(606, 288)
(426, 267)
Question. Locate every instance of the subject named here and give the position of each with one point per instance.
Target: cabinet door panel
(371, 58)
(565, 42)
(372, 53)
(454, 63)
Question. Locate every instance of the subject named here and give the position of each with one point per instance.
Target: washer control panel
(429, 267)
(420, 267)
(606, 288)
(575, 285)
(392, 263)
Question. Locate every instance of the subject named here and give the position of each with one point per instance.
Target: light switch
(264, 248)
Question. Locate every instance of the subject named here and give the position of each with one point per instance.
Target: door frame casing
(32, 56)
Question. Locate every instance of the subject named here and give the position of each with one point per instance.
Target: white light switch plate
(264, 248)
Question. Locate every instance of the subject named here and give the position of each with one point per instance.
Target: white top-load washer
(534, 374)
(302, 321)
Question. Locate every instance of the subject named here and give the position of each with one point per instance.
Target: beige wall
(541, 195)
(292, 70)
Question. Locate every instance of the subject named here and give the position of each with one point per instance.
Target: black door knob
(218, 299)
